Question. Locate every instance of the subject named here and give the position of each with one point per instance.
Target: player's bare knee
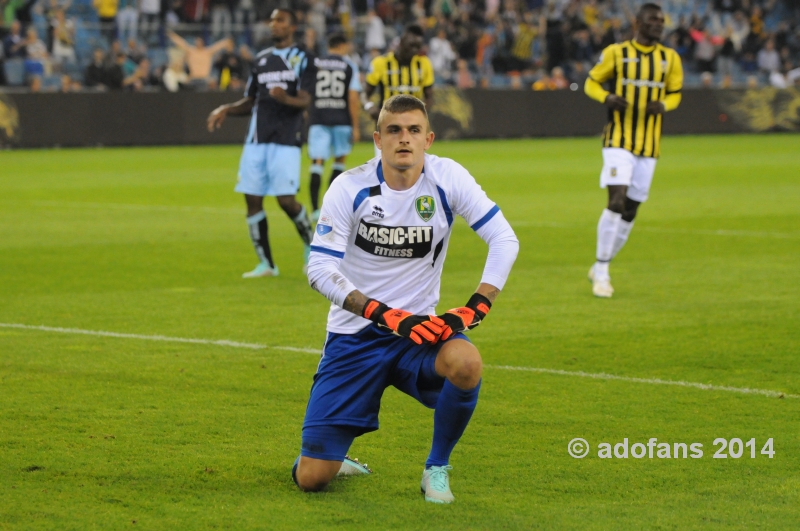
(311, 480)
(466, 369)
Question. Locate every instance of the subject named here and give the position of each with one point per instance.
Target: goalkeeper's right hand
(418, 328)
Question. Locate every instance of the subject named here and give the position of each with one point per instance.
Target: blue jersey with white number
(336, 77)
(291, 69)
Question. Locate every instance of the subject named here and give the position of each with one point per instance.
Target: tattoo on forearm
(492, 295)
(354, 302)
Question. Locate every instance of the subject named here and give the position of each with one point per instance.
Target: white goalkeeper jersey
(391, 245)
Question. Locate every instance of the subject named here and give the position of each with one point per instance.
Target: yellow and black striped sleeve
(377, 70)
(600, 73)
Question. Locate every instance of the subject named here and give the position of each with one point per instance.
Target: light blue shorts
(269, 169)
(322, 139)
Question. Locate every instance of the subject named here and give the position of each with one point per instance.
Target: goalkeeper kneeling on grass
(377, 254)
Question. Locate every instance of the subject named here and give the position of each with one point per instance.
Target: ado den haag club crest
(425, 206)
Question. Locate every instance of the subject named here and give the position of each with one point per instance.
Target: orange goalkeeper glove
(418, 328)
(467, 317)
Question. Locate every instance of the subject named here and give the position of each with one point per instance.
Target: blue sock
(453, 411)
(294, 471)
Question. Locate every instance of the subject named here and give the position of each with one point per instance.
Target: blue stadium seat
(15, 72)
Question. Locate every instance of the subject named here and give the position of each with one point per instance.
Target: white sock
(606, 234)
(623, 230)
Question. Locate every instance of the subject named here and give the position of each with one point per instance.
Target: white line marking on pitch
(257, 346)
(218, 342)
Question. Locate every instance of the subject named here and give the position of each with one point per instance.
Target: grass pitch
(101, 432)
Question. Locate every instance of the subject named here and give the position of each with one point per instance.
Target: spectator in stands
(726, 58)
(232, 72)
(221, 18)
(140, 78)
(376, 36)
(95, 74)
(705, 50)
(14, 44)
(558, 79)
(35, 83)
(768, 59)
(136, 52)
(115, 75)
(175, 77)
(128, 20)
(200, 57)
(245, 16)
(63, 38)
(149, 19)
(69, 85)
(581, 50)
(464, 78)
(484, 57)
(107, 13)
(113, 52)
(37, 60)
(522, 50)
(441, 54)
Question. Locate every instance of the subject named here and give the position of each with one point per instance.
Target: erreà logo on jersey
(394, 242)
(425, 206)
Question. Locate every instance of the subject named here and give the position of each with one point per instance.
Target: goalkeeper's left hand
(465, 318)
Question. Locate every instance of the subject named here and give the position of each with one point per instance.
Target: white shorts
(623, 168)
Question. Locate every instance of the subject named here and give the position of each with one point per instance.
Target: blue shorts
(322, 139)
(269, 169)
(354, 371)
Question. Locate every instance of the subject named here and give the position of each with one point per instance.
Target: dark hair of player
(292, 16)
(402, 103)
(647, 7)
(336, 40)
(415, 29)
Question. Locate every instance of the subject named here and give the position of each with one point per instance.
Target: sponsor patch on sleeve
(325, 228)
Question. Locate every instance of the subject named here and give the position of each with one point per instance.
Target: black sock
(257, 223)
(303, 226)
(316, 184)
(338, 168)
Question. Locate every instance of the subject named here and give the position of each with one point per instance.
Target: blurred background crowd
(144, 45)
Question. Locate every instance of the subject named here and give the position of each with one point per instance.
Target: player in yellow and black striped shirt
(645, 79)
(406, 72)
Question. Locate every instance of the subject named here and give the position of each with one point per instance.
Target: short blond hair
(400, 103)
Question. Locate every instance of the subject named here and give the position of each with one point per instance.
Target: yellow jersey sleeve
(427, 72)
(674, 83)
(604, 69)
(376, 70)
